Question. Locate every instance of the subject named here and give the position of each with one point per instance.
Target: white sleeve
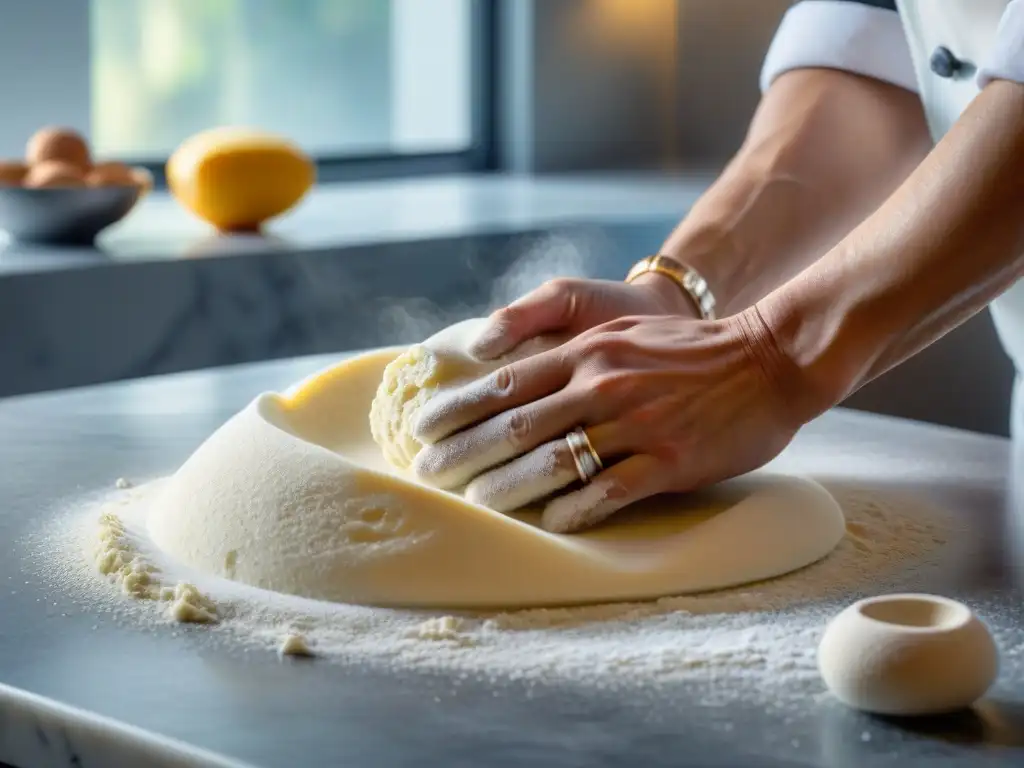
(839, 34)
(1006, 59)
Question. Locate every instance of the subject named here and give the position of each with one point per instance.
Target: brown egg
(143, 178)
(111, 175)
(53, 143)
(12, 173)
(53, 173)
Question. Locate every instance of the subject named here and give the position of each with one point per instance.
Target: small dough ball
(908, 654)
(12, 173)
(54, 173)
(111, 175)
(417, 375)
(63, 144)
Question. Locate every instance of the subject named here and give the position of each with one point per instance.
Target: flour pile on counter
(752, 641)
(119, 559)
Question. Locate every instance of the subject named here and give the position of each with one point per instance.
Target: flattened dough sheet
(293, 495)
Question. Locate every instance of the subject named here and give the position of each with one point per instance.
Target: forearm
(823, 150)
(949, 240)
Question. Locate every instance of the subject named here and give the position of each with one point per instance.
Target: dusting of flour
(754, 639)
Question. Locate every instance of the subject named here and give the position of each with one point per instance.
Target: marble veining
(78, 326)
(162, 293)
(39, 733)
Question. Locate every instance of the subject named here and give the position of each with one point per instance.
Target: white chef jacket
(895, 41)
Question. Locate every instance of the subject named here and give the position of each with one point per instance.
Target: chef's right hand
(567, 307)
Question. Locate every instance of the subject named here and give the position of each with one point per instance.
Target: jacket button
(943, 63)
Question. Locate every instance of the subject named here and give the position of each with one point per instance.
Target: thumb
(544, 310)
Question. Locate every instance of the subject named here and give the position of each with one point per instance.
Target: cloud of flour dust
(547, 257)
(552, 256)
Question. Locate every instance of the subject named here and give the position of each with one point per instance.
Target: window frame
(479, 157)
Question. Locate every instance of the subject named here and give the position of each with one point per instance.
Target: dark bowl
(64, 215)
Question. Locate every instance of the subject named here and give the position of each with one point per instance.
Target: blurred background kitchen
(466, 150)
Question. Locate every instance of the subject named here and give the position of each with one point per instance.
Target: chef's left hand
(669, 404)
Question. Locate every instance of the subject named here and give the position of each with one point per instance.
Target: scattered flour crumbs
(738, 640)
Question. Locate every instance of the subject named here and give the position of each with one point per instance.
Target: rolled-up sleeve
(1006, 59)
(860, 36)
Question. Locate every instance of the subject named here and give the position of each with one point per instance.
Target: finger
(627, 482)
(541, 472)
(546, 309)
(453, 461)
(512, 385)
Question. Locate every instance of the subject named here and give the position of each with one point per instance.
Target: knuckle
(505, 381)
(500, 319)
(620, 324)
(519, 425)
(600, 356)
(678, 452)
(563, 460)
(616, 490)
(652, 414)
(613, 384)
(671, 453)
(591, 348)
(564, 293)
(604, 345)
(561, 285)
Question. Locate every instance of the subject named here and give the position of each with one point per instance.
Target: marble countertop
(358, 264)
(87, 689)
(371, 212)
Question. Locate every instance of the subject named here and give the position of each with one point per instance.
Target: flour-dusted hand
(668, 404)
(568, 307)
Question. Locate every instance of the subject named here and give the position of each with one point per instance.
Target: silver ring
(587, 461)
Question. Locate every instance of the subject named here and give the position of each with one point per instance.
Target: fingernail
(577, 511)
(422, 464)
(491, 342)
(422, 428)
(429, 466)
(488, 345)
(435, 467)
(555, 522)
(474, 494)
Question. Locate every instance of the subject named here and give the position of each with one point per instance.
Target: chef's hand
(668, 404)
(567, 307)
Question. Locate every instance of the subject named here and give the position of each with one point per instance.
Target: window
(345, 79)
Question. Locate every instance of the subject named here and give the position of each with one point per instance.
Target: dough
(418, 374)
(908, 654)
(292, 494)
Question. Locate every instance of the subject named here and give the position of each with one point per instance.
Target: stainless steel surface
(251, 706)
(63, 216)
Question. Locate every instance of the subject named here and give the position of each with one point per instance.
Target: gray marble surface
(375, 263)
(251, 707)
(36, 731)
(394, 210)
(357, 264)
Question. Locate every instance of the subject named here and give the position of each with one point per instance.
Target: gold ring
(587, 461)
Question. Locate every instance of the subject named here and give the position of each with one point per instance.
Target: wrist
(668, 297)
(825, 334)
(795, 397)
